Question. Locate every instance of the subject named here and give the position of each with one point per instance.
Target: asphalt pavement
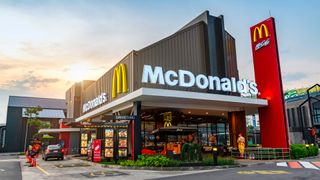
(10, 167)
(258, 172)
(13, 167)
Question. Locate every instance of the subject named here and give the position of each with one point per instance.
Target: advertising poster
(96, 150)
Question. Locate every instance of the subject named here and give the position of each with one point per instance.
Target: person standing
(241, 145)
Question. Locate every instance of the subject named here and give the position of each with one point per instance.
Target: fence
(262, 153)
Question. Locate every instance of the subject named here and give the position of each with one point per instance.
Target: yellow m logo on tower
(259, 30)
(119, 80)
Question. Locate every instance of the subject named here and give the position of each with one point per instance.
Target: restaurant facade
(183, 88)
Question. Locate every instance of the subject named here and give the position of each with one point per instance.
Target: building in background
(16, 126)
(2, 136)
(303, 114)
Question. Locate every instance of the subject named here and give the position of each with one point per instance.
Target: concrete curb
(183, 168)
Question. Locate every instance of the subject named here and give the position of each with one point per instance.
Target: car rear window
(53, 147)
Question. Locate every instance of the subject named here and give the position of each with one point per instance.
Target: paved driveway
(77, 169)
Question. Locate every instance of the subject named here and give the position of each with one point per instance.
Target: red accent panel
(273, 123)
(66, 137)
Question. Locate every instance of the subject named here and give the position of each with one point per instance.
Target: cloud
(289, 77)
(29, 82)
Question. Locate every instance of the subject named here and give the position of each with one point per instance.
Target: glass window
(203, 134)
(146, 128)
(212, 134)
(221, 137)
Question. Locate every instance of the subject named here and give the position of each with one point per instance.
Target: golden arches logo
(119, 80)
(259, 30)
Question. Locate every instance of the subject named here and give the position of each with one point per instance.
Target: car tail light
(62, 150)
(48, 150)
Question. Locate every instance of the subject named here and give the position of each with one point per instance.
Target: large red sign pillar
(273, 123)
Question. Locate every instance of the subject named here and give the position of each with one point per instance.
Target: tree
(32, 114)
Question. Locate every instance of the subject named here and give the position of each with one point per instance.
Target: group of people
(33, 153)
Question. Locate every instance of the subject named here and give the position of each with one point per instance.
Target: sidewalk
(10, 154)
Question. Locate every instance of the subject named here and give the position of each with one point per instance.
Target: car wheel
(62, 158)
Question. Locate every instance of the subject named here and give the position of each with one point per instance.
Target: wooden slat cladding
(184, 50)
(104, 83)
(232, 67)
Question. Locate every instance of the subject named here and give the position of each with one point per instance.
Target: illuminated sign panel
(262, 34)
(167, 118)
(267, 70)
(184, 78)
(119, 80)
(102, 98)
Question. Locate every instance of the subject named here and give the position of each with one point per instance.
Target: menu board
(108, 152)
(109, 132)
(84, 143)
(123, 142)
(122, 152)
(109, 143)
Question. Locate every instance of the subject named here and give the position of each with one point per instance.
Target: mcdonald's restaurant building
(187, 83)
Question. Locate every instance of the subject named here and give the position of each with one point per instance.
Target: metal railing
(262, 153)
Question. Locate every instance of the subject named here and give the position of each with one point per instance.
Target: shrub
(148, 161)
(221, 161)
(253, 145)
(301, 151)
(313, 151)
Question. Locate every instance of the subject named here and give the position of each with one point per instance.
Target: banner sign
(97, 150)
(273, 121)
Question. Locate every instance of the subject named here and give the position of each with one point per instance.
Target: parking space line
(44, 171)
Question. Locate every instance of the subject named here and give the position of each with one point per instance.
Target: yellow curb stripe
(44, 171)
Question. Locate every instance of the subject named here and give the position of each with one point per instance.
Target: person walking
(31, 156)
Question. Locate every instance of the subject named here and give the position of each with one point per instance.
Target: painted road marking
(9, 160)
(2, 170)
(308, 165)
(44, 171)
(264, 172)
(282, 164)
(294, 165)
(316, 163)
(300, 165)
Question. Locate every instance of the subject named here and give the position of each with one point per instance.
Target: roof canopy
(20, 101)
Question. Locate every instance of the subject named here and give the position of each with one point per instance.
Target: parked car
(53, 151)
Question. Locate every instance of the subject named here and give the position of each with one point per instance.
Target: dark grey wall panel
(15, 130)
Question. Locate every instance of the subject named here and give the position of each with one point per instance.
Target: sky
(46, 46)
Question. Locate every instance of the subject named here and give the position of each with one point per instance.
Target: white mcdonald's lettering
(184, 78)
